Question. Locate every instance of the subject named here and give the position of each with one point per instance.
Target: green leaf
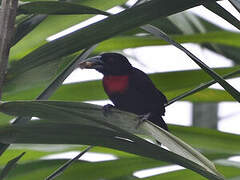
(49, 90)
(40, 76)
(39, 35)
(118, 168)
(123, 42)
(95, 123)
(9, 166)
(36, 151)
(51, 7)
(22, 67)
(57, 82)
(96, 32)
(54, 133)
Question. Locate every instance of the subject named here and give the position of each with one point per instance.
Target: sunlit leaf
(9, 166)
(27, 26)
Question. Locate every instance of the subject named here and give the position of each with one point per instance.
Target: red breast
(115, 84)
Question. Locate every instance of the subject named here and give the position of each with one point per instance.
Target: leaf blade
(236, 4)
(90, 114)
(220, 11)
(133, 17)
(27, 26)
(51, 7)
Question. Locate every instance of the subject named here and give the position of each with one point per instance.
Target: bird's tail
(158, 120)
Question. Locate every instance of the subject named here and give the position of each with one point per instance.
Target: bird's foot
(158, 143)
(142, 118)
(107, 108)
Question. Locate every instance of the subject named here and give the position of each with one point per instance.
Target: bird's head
(108, 64)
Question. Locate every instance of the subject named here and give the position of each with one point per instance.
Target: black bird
(129, 88)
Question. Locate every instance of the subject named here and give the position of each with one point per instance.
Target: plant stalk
(7, 19)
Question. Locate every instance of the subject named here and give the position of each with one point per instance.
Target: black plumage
(129, 88)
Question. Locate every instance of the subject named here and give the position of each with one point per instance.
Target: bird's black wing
(144, 85)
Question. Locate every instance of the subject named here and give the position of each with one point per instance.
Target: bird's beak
(92, 63)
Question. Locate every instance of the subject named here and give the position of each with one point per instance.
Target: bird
(129, 88)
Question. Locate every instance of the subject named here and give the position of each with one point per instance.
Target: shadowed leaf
(236, 4)
(220, 11)
(51, 7)
(90, 122)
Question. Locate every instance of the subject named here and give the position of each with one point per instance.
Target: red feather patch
(115, 84)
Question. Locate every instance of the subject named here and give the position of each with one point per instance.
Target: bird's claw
(107, 108)
(142, 118)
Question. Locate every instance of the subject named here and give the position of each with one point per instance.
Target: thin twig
(67, 164)
(7, 20)
(201, 87)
